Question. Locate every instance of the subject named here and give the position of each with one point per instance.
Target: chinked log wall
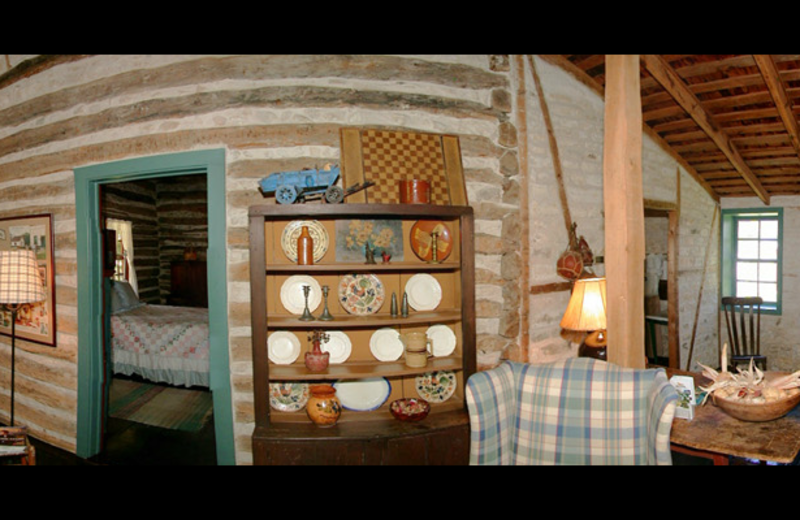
(271, 113)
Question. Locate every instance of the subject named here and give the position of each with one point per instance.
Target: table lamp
(586, 312)
(20, 284)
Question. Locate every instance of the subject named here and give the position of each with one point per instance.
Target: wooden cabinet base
(442, 440)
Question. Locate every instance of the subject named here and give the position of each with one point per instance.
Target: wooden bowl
(410, 409)
(758, 412)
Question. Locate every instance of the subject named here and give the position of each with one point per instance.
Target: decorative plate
(424, 292)
(436, 387)
(443, 339)
(292, 294)
(421, 239)
(338, 345)
(292, 231)
(283, 347)
(288, 396)
(385, 345)
(363, 395)
(361, 293)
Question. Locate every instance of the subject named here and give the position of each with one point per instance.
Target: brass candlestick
(326, 315)
(306, 312)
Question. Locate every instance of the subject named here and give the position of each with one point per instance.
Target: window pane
(767, 272)
(769, 249)
(747, 249)
(769, 229)
(768, 291)
(747, 271)
(744, 289)
(748, 229)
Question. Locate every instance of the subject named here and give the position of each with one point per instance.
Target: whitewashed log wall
(275, 113)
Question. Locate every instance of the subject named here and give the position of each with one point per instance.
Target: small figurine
(386, 256)
(369, 254)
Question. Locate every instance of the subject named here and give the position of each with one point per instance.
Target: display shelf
(282, 434)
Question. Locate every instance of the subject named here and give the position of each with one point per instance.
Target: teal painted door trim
(90, 362)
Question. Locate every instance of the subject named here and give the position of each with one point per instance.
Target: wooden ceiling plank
(672, 82)
(778, 92)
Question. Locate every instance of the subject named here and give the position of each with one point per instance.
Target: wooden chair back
(743, 319)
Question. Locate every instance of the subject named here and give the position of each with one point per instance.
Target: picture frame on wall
(35, 322)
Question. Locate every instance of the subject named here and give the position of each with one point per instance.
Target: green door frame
(90, 330)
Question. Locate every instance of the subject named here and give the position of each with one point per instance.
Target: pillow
(123, 298)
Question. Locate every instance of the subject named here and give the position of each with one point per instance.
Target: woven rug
(166, 407)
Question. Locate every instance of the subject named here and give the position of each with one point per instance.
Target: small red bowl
(410, 409)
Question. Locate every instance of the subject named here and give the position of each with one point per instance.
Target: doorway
(91, 395)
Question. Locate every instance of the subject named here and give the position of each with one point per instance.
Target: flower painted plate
(436, 387)
(283, 347)
(338, 345)
(421, 238)
(292, 294)
(361, 293)
(385, 344)
(363, 395)
(443, 339)
(424, 292)
(288, 396)
(291, 233)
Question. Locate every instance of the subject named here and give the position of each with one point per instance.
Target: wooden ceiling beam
(660, 70)
(778, 92)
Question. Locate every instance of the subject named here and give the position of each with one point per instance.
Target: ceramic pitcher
(418, 348)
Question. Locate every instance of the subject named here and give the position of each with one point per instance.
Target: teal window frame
(729, 238)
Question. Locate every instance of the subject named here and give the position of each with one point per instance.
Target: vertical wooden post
(624, 211)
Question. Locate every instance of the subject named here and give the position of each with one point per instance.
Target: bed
(161, 343)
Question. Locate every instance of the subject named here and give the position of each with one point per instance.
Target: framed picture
(383, 237)
(387, 157)
(35, 322)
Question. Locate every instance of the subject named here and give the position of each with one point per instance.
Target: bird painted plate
(292, 294)
(283, 347)
(385, 344)
(361, 293)
(363, 395)
(424, 292)
(292, 231)
(288, 396)
(443, 339)
(338, 345)
(436, 387)
(421, 238)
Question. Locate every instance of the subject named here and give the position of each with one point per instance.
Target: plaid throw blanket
(578, 411)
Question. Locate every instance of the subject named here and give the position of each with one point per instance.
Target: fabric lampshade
(20, 281)
(586, 309)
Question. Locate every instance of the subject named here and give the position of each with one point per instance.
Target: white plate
(292, 294)
(385, 345)
(443, 339)
(338, 345)
(283, 347)
(424, 292)
(363, 395)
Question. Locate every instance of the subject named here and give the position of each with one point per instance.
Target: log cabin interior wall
(277, 113)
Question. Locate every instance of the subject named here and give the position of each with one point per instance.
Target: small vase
(317, 360)
(323, 407)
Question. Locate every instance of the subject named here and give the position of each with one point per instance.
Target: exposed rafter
(666, 76)
(778, 92)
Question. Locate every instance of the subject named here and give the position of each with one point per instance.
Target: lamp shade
(20, 281)
(586, 309)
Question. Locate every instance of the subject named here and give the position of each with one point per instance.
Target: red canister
(415, 191)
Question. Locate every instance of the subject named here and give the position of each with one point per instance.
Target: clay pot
(415, 191)
(323, 407)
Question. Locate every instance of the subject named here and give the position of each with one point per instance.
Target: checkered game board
(389, 157)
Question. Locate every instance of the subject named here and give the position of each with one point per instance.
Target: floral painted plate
(361, 293)
(292, 231)
(436, 387)
(288, 396)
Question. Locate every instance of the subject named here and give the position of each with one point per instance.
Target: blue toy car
(302, 185)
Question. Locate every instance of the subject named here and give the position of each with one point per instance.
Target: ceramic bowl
(411, 409)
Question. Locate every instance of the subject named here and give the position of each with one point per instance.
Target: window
(124, 264)
(751, 255)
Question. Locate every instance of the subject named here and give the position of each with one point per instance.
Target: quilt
(162, 343)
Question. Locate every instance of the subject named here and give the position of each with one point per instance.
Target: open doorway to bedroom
(94, 372)
(160, 408)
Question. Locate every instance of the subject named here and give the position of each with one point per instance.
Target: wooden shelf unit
(361, 437)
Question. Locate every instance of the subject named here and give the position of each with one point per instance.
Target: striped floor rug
(166, 407)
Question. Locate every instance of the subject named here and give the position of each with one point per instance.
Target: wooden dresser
(189, 285)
